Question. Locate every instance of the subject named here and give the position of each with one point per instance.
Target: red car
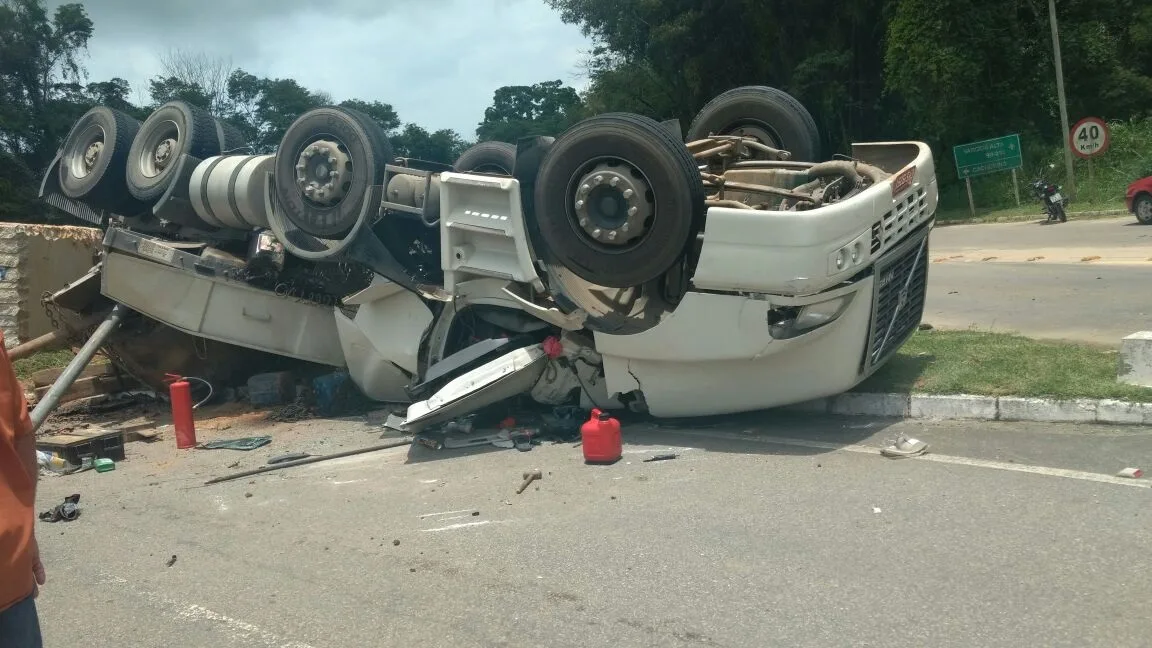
(1139, 199)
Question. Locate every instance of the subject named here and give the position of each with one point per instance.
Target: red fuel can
(180, 392)
(600, 437)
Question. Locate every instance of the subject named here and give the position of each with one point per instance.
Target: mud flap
(509, 375)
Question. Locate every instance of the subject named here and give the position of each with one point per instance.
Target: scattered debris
(662, 457)
(68, 510)
(244, 443)
(395, 543)
(876, 509)
(925, 326)
(171, 561)
(288, 464)
(905, 447)
(475, 513)
(529, 477)
(1036, 258)
(988, 259)
(295, 411)
(104, 465)
(1131, 473)
(1089, 258)
(246, 495)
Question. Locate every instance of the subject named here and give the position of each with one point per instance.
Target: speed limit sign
(1090, 137)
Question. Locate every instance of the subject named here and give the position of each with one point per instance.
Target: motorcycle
(1053, 200)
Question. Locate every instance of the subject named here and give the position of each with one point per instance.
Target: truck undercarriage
(619, 264)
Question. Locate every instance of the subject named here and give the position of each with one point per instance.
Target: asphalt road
(1083, 281)
(765, 531)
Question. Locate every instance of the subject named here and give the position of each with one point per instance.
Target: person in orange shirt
(21, 573)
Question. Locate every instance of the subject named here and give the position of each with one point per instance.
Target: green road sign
(989, 156)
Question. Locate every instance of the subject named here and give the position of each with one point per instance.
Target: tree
(265, 108)
(442, 146)
(39, 75)
(524, 111)
(204, 77)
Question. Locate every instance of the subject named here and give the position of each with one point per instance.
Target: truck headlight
(790, 322)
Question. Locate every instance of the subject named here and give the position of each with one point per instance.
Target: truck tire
(1142, 208)
(618, 199)
(231, 138)
(487, 157)
(94, 158)
(324, 199)
(174, 129)
(772, 116)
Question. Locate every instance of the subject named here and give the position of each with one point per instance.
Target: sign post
(1090, 137)
(988, 156)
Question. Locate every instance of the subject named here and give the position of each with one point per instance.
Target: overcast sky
(436, 61)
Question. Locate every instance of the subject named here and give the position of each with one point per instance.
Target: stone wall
(35, 259)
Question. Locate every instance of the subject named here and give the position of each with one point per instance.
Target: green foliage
(546, 108)
(442, 146)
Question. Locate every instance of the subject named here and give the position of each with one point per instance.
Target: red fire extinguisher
(180, 392)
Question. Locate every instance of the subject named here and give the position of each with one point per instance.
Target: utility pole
(1065, 128)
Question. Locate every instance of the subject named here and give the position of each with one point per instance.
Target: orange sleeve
(12, 394)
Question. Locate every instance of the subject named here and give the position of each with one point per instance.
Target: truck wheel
(327, 160)
(174, 129)
(773, 117)
(231, 138)
(618, 199)
(487, 157)
(1142, 207)
(95, 158)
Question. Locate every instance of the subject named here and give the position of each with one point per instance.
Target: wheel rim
(757, 130)
(160, 149)
(324, 171)
(1144, 210)
(85, 150)
(612, 204)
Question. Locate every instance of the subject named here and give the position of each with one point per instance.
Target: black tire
(787, 123)
(368, 149)
(1142, 209)
(104, 184)
(675, 202)
(196, 136)
(487, 157)
(231, 138)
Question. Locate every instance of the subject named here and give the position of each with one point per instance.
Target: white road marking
(937, 458)
(247, 633)
(462, 525)
(428, 515)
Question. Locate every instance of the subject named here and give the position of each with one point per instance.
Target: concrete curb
(981, 408)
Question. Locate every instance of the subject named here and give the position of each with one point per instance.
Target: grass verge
(1026, 212)
(25, 367)
(1001, 364)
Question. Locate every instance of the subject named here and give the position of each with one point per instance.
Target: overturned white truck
(620, 263)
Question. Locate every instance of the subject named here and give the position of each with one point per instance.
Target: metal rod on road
(64, 382)
(300, 462)
(1066, 132)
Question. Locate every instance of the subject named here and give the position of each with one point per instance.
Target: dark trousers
(20, 626)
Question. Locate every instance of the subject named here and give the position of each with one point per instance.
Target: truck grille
(900, 289)
(905, 217)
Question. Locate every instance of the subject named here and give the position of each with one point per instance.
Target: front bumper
(716, 354)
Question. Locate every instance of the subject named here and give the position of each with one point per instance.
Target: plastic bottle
(601, 439)
(54, 463)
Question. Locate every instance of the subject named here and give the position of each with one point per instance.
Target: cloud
(437, 62)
